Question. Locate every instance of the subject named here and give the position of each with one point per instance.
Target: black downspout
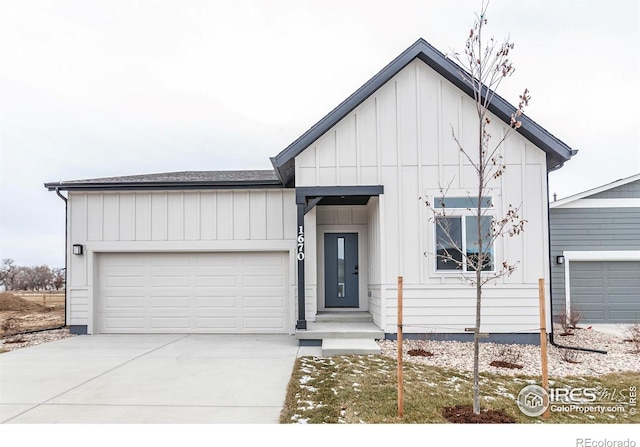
(66, 241)
(302, 322)
(551, 340)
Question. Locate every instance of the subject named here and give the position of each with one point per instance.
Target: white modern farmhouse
(326, 232)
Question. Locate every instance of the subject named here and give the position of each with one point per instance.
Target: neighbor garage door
(193, 293)
(606, 292)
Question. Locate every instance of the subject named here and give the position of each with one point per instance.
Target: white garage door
(193, 292)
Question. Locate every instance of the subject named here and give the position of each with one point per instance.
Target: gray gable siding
(584, 229)
(628, 191)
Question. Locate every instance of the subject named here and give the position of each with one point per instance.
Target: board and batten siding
(401, 137)
(187, 221)
(592, 229)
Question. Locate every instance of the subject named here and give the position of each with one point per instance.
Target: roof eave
(163, 185)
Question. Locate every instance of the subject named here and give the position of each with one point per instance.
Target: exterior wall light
(77, 249)
(560, 259)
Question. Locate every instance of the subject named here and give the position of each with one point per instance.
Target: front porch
(342, 333)
(334, 269)
(338, 268)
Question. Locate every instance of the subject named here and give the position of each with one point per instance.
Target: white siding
(180, 221)
(178, 216)
(375, 260)
(401, 138)
(310, 266)
(341, 215)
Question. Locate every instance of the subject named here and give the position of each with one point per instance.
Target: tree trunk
(476, 355)
(479, 265)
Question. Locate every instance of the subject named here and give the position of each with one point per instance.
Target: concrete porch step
(342, 333)
(344, 317)
(349, 346)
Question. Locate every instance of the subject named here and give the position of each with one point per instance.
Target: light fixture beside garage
(560, 259)
(77, 249)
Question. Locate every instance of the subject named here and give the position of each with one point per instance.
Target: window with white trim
(457, 234)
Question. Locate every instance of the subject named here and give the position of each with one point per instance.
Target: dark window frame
(459, 214)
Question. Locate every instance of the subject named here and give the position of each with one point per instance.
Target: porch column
(302, 322)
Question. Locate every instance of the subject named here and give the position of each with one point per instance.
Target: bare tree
(23, 279)
(42, 277)
(58, 278)
(485, 66)
(7, 273)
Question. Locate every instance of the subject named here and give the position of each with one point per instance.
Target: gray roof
(631, 191)
(557, 151)
(176, 180)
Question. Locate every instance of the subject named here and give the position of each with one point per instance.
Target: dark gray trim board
(160, 186)
(557, 151)
(305, 192)
(515, 338)
(301, 323)
(78, 329)
(311, 196)
(309, 342)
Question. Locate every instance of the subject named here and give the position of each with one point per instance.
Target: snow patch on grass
(502, 391)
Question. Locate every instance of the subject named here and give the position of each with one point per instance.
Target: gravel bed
(620, 356)
(13, 342)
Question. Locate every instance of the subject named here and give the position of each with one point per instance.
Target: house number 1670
(300, 243)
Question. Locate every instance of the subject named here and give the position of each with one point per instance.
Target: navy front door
(341, 270)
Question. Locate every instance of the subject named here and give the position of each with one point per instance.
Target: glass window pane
(471, 236)
(341, 274)
(449, 243)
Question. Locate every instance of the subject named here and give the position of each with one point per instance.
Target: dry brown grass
(363, 389)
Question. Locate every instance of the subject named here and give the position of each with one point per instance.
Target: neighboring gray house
(595, 247)
(328, 229)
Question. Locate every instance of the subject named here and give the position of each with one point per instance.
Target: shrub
(632, 335)
(569, 321)
(570, 356)
(10, 326)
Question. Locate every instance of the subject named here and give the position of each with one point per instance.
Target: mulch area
(419, 353)
(463, 414)
(503, 364)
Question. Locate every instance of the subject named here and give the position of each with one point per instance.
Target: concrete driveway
(148, 379)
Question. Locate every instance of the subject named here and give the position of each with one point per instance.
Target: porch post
(302, 322)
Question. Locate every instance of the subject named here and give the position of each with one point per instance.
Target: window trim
(462, 213)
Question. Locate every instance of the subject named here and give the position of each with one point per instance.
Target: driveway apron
(148, 379)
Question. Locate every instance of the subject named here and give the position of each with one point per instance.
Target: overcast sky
(104, 88)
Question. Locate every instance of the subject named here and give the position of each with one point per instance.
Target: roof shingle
(184, 179)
